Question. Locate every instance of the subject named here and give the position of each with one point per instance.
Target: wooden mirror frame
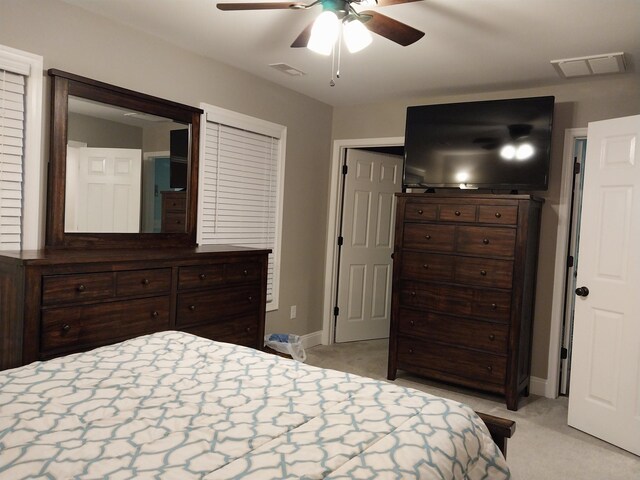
(64, 84)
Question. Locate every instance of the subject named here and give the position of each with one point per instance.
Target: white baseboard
(311, 339)
(540, 386)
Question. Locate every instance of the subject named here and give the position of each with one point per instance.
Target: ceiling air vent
(591, 65)
(288, 69)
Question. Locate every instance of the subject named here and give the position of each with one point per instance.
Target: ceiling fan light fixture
(324, 33)
(356, 35)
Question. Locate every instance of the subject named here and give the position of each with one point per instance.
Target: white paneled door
(364, 284)
(604, 395)
(103, 190)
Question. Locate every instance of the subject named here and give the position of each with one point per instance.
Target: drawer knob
(425, 266)
(250, 298)
(494, 306)
(412, 323)
(192, 308)
(245, 272)
(145, 281)
(248, 329)
(489, 368)
(485, 241)
(81, 288)
(483, 273)
(413, 294)
(154, 314)
(66, 327)
(411, 350)
(428, 237)
(420, 212)
(203, 276)
(498, 214)
(492, 337)
(457, 213)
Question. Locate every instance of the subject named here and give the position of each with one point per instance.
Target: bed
(176, 406)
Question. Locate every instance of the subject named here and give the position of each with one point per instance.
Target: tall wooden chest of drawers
(61, 301)
(463, 290)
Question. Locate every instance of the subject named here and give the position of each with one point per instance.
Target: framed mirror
(123, 167)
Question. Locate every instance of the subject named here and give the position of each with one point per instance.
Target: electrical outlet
(293, 312)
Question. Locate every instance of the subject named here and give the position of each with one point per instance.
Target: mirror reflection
(126, 171)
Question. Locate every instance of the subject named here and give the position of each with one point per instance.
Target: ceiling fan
(321, 35)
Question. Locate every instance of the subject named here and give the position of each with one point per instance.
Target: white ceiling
(469, 46)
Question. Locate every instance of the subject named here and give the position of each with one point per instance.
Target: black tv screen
(179, 151)
(498, 144)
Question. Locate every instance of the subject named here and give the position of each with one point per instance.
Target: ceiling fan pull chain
(332, 83)
(339, 53)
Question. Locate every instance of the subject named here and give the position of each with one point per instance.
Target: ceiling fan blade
(394, 30)
(303, 39)
(384, 3)
(260, 6)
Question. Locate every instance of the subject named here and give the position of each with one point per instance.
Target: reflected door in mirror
(103, 190)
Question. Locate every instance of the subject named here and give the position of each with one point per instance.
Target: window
(21, 181)
(241, 186)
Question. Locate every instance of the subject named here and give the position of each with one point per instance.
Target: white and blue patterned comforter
(172, 405)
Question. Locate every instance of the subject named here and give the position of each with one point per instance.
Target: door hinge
(564, 353)
(570, 261)
(340, 241)
(576, 166)
(345, 169)
(336, 311)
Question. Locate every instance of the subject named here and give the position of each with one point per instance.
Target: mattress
(176, 406)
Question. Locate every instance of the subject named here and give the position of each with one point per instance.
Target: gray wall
(577, 103)
(100, 133)
(73, 40)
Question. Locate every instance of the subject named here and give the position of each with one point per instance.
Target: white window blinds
(239, 196)
(12, 118)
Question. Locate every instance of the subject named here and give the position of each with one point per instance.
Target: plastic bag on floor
(286, 343)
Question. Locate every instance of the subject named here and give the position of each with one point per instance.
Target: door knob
(582, 291)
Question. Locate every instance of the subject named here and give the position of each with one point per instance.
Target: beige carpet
(543, 447)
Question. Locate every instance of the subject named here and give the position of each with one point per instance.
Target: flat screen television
(179, 151)
(497, 144)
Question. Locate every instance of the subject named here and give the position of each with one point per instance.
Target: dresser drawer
(82, 326)
(457, 213)
(199, 276)
(491, 305)
(420, 211)
(211, 306)
(498, 241)
(140, 282)
(439, 298)
(174, 222)
(451, 360)
(427, 266)
(487, 336)
(431, 237)
(463, 301)
(241, 331)
(500, 214)
(242, 272)
(484, 272)
(59, 289)
(175, 202)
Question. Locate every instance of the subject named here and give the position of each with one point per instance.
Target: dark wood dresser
(62, 301)
(174, 211)
(463, 290)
